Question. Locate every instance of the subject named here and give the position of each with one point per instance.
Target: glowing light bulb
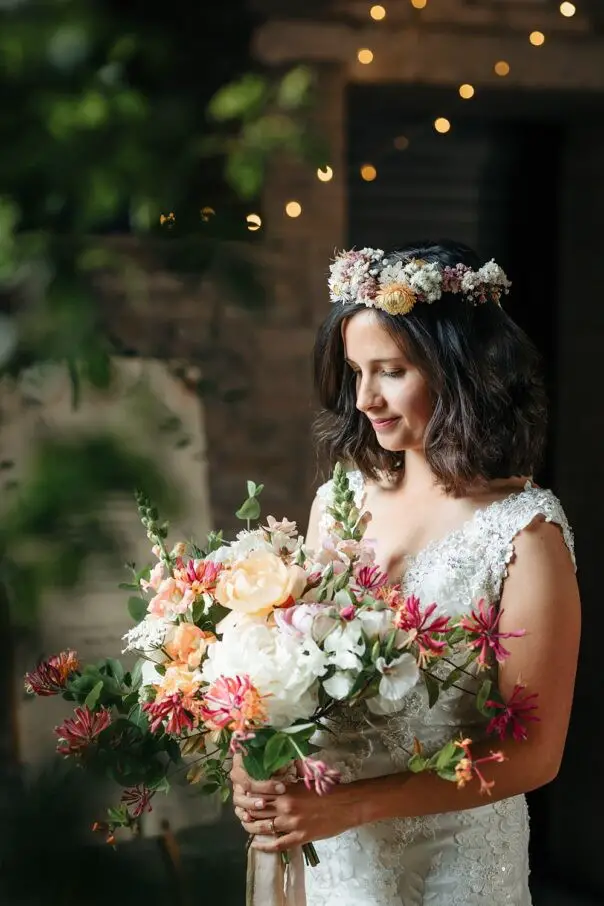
(568, 9)
(537, 38)
(254, 222)
(502, 68)
(368, 172)
(365, 56)
(442, 125)
(293, 208)
(467, 91)
(325, 174)
(377, 12)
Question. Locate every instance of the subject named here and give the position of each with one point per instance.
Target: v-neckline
(460, 531)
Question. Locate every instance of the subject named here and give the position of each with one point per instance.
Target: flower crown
(367, 276)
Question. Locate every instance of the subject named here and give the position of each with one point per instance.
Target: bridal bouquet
(247, 646)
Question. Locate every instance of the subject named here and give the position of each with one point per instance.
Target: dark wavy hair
(490, 409)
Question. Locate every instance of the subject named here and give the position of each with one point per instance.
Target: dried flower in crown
(368, 277)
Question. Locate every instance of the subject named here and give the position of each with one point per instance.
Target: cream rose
(259, 583)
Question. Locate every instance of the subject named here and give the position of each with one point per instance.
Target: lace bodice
(468, 858)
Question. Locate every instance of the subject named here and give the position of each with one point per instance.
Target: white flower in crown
(353, 274)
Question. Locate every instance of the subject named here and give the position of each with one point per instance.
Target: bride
(440, 409)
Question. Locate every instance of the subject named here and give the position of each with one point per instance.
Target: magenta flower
(173, 710)
(318, 776)
(517, 709)
(50, 677)
(483, 627)
(367, 580)
(423, 631)
(77, 733)
(138, 800)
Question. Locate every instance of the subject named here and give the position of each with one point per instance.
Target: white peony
(281, 666)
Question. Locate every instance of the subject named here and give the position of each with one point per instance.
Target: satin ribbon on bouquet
(271, 881)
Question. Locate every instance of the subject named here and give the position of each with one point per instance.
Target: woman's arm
(541, 596)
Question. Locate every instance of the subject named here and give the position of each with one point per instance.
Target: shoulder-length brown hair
(490, 411)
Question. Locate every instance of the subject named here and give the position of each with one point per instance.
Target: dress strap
(504, 521)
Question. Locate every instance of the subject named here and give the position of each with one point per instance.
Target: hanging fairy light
(419, 4)
(442, 125)
(293, 208)
(368, 172)
(325, 173)
(502, 68)
(377, 12)
(537, 38)
(467, 91)
(365, 56)
(254, 222)
(568, 9)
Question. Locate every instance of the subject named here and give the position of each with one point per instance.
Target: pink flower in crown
(77, 733)
(483, 628)
(173, 597)
(318, 776)
(367, 580)
(512, 713)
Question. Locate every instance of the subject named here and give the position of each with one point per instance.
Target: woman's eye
(398, 373)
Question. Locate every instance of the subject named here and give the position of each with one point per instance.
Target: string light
(325, 174)
(467, 91)
(365, 56)
(401, 143)
(377, 12)
(167, 219)
(254, 222)
(293, 208)
(442, 125)
(537, 38)
(502, 68)
(419, 4)
(368, 172)
(568, 9)
(206, 213)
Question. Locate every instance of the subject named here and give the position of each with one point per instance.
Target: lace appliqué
(490, 865)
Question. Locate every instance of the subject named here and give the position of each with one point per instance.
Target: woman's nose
(366, 396)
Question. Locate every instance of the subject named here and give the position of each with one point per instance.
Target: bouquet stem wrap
(273, 882)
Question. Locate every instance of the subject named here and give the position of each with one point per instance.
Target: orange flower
(189, 644)
(396, 299)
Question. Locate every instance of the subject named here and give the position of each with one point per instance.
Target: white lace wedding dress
(476, 857)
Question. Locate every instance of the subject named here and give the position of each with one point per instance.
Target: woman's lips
(382, 424)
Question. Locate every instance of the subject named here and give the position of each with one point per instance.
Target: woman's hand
(290, 814)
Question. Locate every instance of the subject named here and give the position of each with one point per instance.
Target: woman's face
(391, 392)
